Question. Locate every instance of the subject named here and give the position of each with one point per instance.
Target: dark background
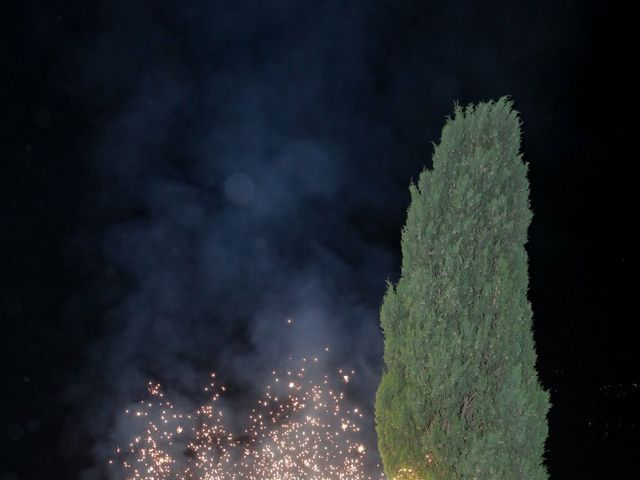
(180, 177)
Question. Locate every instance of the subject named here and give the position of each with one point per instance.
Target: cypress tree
(460, 397)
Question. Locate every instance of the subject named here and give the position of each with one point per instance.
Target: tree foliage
(460, 397)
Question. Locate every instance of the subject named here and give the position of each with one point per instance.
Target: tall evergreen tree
(460, 397)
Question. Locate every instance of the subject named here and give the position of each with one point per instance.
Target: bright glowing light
(305, 432)
(405, 474)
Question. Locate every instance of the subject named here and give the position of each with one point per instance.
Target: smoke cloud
(225, 203)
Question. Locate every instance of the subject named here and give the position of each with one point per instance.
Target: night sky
(178, 178)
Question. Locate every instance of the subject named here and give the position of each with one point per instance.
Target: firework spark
(299, 429)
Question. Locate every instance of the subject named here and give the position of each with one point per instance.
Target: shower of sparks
(300, 429)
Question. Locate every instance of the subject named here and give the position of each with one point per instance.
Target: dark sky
(179, 178)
